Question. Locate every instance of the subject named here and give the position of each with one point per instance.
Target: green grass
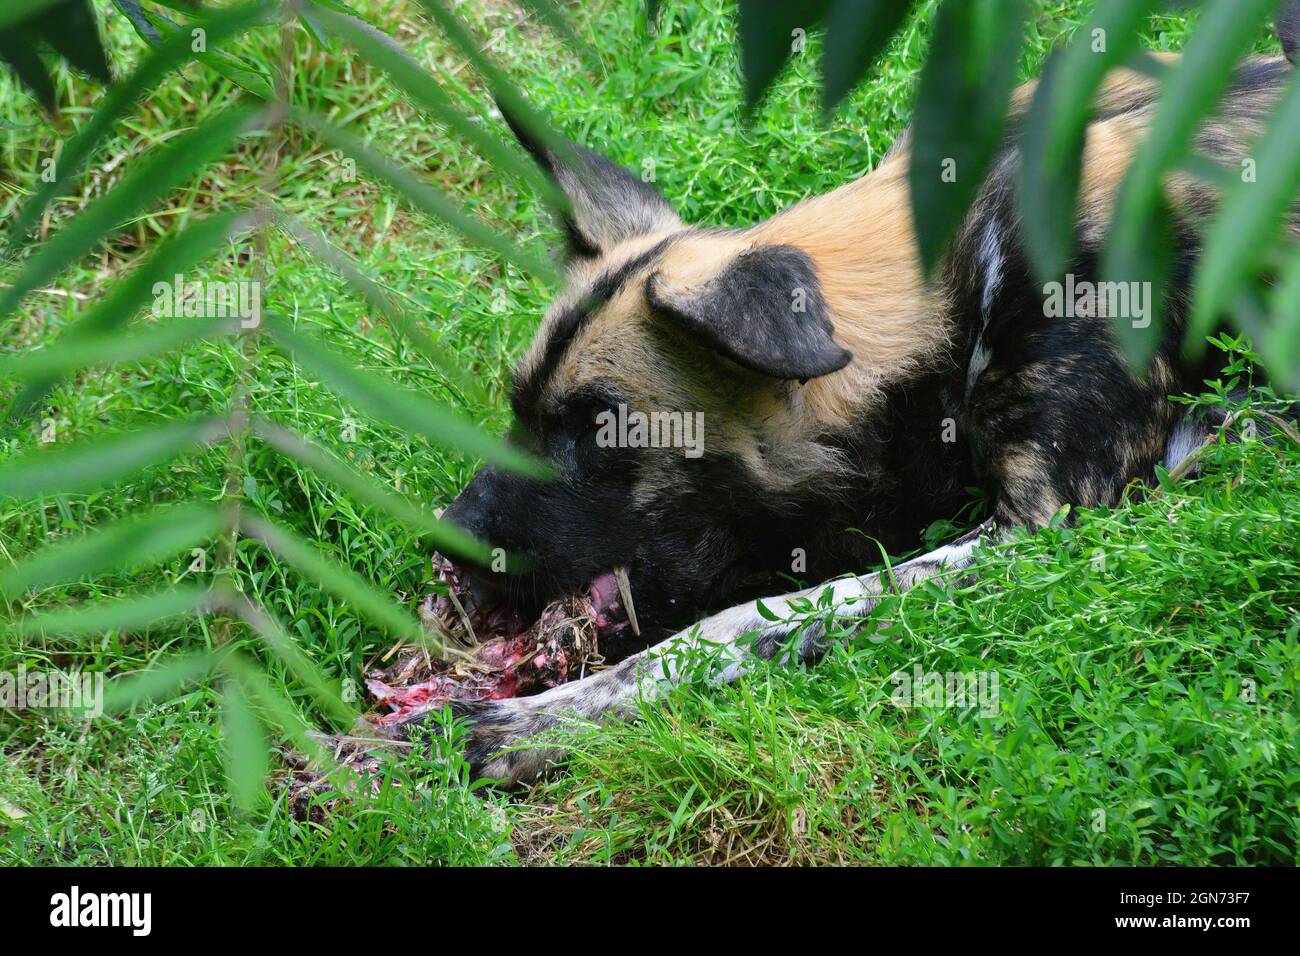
(1121, 681)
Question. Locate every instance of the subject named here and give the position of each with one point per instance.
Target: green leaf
(120, 98)
(161, 170)
(139, 19)
(1145, 266)
(425, 198)
(1056, 126)
(391, 403)
(550, 13)
(126, 614)
(18, 51)
(445, 536)
(857, 31)
(90, 465)
(323, 690)
(247, 758)
(1138, 248)
(333, 577)
(66, 26)
(1281, 348)
(16, 11)
(765, 612)
(512, 103)
(279, 711)
(307, 17)
(961, 111)
(175, 256)
(155, 28)
(767, 38)
(407, 327)
(71, 29)
(53, 362)
(164, 681)
(118, 546)
(1250, 214)
(383, 51)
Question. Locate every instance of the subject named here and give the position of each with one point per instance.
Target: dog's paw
(498, 739)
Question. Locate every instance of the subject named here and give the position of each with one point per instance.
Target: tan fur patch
(581, 275)
(861, 239)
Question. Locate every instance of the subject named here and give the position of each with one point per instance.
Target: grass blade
(156, 28)
(336, 578)
(121, 545)
(280, 711)
(383, 51)
(445, 536)
(425, 198)
(961, 111)
(378, 299)
(176, 255)
(128, 614)
(52, 363)
(512, 103)
(166, 167)
(550, 13)
(164, 681)
(95, 464)
(325, 691)
(391, 403)
(120, 97)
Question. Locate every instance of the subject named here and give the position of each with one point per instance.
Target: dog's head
(665, 387)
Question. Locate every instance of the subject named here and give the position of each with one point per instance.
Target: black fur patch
(1288, 29)
(528, 388)
(764, 311)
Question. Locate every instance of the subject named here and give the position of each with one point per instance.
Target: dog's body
(839, 391)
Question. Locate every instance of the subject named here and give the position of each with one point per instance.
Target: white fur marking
(1184, 439)
(991, 261)
(979, 361)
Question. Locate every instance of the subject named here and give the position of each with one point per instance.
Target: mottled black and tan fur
(872, 405)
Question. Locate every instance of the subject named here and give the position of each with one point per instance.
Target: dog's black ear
(1288, 29)
(763, 309)
(607, 204)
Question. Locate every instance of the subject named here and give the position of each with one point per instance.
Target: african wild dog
(823, 418)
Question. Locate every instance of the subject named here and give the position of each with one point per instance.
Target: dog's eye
(576, 429)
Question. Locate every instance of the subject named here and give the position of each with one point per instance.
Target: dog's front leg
(498, 743)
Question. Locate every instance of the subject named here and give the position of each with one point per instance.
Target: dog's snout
(472, 510)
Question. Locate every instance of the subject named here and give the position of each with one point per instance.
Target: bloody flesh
(507, 658)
